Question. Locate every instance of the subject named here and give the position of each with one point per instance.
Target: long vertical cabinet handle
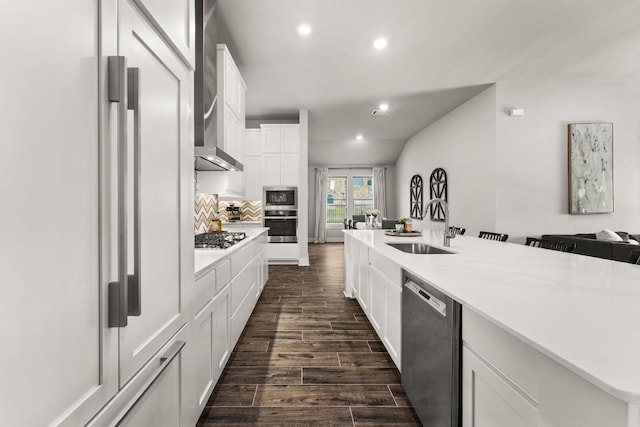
(133, 103)
(118, 291)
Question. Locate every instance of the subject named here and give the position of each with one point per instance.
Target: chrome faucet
(448, 233)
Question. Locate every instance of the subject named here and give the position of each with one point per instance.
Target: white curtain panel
(320, 233)
(379, 192)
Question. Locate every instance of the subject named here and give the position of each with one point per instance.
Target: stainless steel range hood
(208, 156)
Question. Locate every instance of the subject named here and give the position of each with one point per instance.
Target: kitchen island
(549, 338)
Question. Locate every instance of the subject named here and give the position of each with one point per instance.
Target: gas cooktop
(218, 240)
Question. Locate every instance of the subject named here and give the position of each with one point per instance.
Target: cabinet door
(204, 364)
(271, 169)
(221, 331)
(489, 401)
(364, 289)
(231, 84)
(163, 141)
(55, 350)
(176, 19)
(271, 137)
(376, 313)
(393, 322)
(289, 169)
(290, 139)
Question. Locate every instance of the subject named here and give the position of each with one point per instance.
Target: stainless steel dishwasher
(431, 353)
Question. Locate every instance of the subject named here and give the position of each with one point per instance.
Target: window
(362, 194)
(336, 199)
(348, 195)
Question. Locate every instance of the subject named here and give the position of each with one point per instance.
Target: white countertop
(204, 259)
(582, 312)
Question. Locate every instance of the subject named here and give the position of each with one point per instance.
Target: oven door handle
(280, 217)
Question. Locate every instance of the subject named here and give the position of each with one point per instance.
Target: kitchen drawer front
(223, 275)
(241, 316)
(242, 284)
(206, 287)
(156, 385)
(241, 259)
(160, 405)
(388, 268)
(510, 356)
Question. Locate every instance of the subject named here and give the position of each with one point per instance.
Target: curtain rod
(351, 167)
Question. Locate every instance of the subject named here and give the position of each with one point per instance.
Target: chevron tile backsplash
(249, 210)
(206, 206)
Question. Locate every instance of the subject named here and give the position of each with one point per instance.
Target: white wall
(510, 174)
(463, 144)
(532, 179)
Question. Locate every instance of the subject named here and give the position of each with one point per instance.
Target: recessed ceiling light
(210, 159)
(359, 137)
(383, 106)
(380, 43)
(304, 29)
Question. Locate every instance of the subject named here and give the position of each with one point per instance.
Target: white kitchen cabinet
(364, 287)
(280, 154)
(64, 355)
(392, 339)
(164, 138)
(159, 403)
(377, 306)
(51, 308)
(507, 382)
(221, 331)
(231, 105)
(243, 299)
(489, 401)
(271, 169)
(211, 346)
(253, 164)
(385, 311)
(174, 19)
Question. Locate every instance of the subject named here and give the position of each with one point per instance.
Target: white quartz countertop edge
(206, 259)
(582, 312)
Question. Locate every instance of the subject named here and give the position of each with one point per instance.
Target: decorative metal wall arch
(438, 190)
(416, 197)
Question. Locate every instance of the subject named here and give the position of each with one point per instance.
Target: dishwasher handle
(428, 298)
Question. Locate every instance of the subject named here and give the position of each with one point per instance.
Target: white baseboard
(304, 262)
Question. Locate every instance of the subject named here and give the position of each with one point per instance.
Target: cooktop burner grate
(218, 240)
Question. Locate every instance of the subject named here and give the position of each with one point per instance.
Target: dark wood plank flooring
(309, 357)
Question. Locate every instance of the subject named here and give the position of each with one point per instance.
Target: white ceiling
(440, 54)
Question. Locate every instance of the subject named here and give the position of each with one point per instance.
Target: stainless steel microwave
(280, 197)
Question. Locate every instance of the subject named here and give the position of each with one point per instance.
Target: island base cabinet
(488, 401)
(506, 382)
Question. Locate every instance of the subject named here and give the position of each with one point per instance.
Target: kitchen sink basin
(420, 248)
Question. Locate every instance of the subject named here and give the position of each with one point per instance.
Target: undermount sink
(420, 248)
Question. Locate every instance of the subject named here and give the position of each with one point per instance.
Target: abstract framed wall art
(590, 168)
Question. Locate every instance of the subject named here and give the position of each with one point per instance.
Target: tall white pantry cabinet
(96, 183)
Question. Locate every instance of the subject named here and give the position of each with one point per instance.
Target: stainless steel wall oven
(280, 213)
